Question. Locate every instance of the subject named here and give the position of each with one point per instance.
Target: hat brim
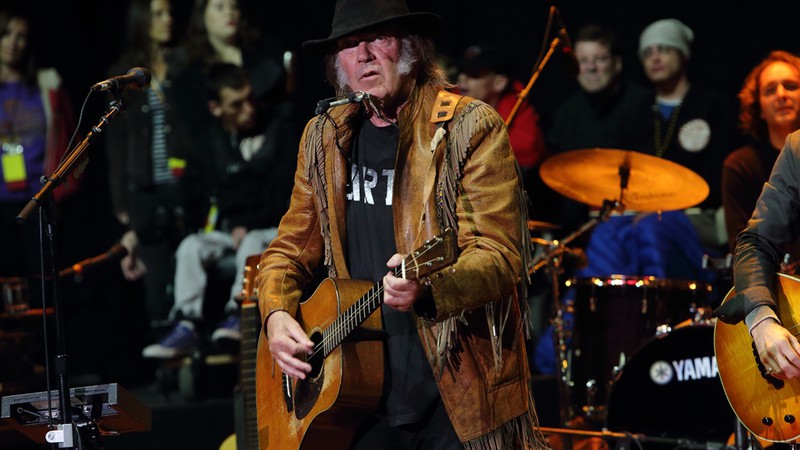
(424, 23)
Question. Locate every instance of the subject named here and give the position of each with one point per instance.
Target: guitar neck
(251, 327)
(419, 263)
(351, 318)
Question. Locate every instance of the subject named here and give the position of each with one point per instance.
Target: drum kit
(634, 354)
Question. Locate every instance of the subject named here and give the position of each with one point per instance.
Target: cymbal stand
(552, 259)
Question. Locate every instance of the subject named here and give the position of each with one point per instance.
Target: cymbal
(592, 176)
(536, 225)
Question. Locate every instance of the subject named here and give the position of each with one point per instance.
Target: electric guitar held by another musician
(767, 406)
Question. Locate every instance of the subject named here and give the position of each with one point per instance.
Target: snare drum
(615, 315)
(670, 388)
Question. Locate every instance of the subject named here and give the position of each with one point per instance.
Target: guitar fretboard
(352, 317)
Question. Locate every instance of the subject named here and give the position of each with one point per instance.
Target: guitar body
(768, 407)
(329, 405)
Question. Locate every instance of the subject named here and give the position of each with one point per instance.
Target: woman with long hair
(146, 148)
(36, 120)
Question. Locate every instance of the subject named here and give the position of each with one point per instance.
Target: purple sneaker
(181, 341)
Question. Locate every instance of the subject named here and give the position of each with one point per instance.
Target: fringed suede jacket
(455, 168)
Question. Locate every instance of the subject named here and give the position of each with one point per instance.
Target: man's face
(662, 63)
(235, 109)
(484, 85)
(373, 63)
(598, 67)
(779, 96)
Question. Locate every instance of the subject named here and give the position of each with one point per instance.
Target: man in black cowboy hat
(395, 161)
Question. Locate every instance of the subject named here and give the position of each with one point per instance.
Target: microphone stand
(524, 93)
(66, 432)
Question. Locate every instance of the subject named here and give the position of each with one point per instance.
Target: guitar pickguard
(306, 393)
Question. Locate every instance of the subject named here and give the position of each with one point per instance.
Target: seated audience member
(769, 111)
(485, 74)
(237, 185)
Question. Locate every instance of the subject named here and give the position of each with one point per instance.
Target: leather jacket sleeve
(289, 262)
(488, 215)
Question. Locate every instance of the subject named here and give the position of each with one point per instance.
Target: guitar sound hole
(317, 358)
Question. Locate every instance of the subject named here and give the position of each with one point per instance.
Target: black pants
(158, 222)
(433, 432)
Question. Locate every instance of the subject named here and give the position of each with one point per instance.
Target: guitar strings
(332, 332)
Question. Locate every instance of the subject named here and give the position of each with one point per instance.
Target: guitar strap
(443, 110)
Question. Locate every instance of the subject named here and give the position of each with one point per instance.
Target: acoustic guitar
(246, 436)
(343, 320)
(767, 406)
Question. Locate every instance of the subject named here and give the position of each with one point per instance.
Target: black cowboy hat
(352, 16)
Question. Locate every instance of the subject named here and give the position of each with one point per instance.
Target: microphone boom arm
(73, 160)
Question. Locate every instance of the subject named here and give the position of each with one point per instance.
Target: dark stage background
(83, 38)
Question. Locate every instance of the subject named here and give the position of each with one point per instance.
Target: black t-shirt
(409, 387)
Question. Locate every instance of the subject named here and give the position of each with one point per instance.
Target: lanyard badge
(15, 174)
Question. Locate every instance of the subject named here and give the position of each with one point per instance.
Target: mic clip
(353, 97)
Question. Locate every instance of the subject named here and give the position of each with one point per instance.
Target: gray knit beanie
(671, 32)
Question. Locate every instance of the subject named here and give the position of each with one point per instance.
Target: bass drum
(670, 388)
(614, 316)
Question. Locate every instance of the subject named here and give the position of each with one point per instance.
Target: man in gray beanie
(686, 124)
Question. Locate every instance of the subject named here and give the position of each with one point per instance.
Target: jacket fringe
(315, 173)
(527, 255)
(521, 433)
(473, 117)
(457, 150)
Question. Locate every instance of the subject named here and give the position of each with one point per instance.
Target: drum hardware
(663, 329)
(626, 440)
(637, 181)
(552, 259)
(536, 225)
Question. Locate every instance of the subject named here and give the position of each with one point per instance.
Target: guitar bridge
(287, 392)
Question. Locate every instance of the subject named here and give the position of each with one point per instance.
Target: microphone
(136, 78)
(573, 68)
(115, 253)
(353, 97)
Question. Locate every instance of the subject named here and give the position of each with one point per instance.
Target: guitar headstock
(435, 254)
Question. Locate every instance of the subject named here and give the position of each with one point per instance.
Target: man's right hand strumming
(287, 339)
